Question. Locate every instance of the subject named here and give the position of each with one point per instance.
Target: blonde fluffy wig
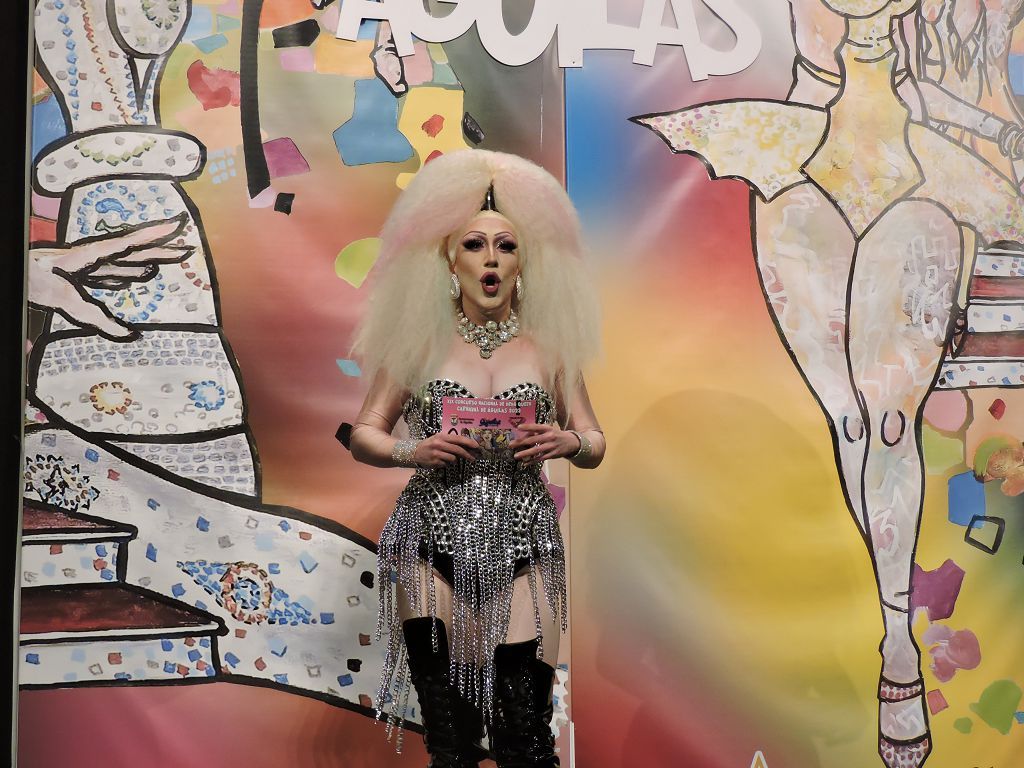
(409, 326)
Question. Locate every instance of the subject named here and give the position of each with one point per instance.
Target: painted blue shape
(204, 642)
(91, 455)
(32, 658)
(78, 654)
(211, 43)
(285, 526)
(170, 667)
(70, 677)
(210, 671)
(349, 367)
(200, 24)
(274, 568)
(966, 498)
(231, 659)
(85, 562)
(308, 562)
(201, 605)
(202, 524)
(122, 676)
(1015, 66)
(326, 618)
(367, 29)
(344, 680)
(48, 569)
(101, 550)
(224, 23)
(178, 589)
(47, 124)
(264, 542)
(107, 575)
(167, 645)
(152, 503)
(277, 646)
(371, 135)
(282, 679)
(151, 552)
(194, 655)
(1019, 717)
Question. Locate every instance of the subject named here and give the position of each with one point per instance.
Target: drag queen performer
(483, 248)
(858, 215)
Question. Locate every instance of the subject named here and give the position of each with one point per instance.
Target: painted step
(113, 633)
(999, 262)
(999, 290)
(985, 360)
(62, 547)
(993, 317)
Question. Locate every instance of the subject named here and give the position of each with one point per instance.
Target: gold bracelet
(402, 453)
(585, 447)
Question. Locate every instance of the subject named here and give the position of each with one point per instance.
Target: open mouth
(490, 283)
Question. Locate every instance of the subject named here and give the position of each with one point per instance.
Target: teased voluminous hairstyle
(409, 325)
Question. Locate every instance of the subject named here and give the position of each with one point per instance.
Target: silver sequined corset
(484, 509)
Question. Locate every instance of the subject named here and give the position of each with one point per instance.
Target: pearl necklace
(489, 336)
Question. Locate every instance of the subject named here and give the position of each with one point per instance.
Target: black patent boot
(521, 733)
(452, 726)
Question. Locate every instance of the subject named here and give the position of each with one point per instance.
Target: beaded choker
(489, 336)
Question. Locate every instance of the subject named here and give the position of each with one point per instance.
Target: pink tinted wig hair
(409, 325)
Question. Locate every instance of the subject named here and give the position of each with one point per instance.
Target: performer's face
(486, 263)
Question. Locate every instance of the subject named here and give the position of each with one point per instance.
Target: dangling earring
(456, 289)
(519, 287)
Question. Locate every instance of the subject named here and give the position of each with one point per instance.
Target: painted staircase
(988, 350)
(81, 624)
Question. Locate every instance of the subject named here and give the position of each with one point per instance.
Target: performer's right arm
(372, 442)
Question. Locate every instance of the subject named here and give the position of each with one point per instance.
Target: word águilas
(578, 24)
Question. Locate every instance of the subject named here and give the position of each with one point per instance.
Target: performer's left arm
(581, 440)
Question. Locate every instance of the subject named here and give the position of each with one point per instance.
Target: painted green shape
(989, 446)
(940, 452)
(225, 23)
(997, 705)
(356, 260)
(444, 75)
(963, 724)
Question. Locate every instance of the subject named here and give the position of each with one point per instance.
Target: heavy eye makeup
(475, 243)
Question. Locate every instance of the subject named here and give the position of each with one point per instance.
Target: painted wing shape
(764, 143)
(988, 204)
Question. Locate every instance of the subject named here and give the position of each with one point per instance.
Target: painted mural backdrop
(813, 280)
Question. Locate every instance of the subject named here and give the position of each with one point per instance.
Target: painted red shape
(364, 639)
(113, 474)
(305, 535)
(997, 409)
(183, 670)
(56, 549)
(952, 650)
(42, 230)
(936, 701)
(433, 155)
(99, 564)
(936, 590)
(433, 126)
(213, 87)
(113, 658)
(260, 664)
(284, 158)
(239, 633)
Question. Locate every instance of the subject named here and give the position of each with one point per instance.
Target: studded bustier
(475, 506)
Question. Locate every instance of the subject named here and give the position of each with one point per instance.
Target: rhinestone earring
(456, 289)
(519, 287)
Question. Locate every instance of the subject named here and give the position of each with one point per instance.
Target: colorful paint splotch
(998, 705)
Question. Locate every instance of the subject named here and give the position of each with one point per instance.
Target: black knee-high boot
(453, 727)
(521, 734)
